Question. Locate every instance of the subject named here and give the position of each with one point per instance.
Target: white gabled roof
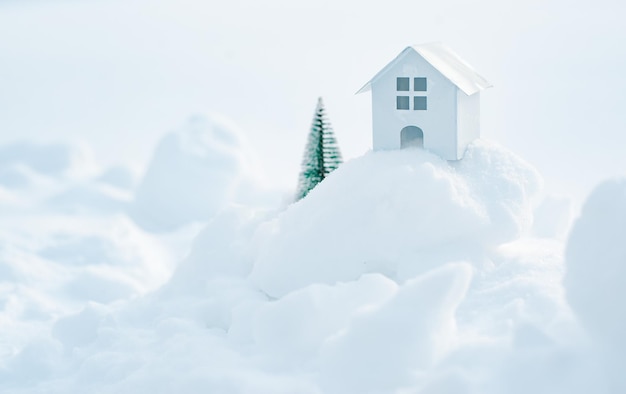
(448, 63)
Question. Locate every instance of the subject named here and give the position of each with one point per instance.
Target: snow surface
(398, 213)
(400, 273)
(191, 176)
(596, 269)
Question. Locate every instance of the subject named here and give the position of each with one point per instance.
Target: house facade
(426, 97)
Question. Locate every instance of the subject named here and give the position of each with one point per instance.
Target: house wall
(468, 120)
(438, 122)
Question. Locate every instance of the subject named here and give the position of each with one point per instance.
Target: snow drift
(400, 273)
(193, 174)
(596, 268)
(399, 213)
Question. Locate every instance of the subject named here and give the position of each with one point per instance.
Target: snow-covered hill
(397, 213)
(400, 273)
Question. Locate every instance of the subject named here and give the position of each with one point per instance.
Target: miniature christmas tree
(321, 155)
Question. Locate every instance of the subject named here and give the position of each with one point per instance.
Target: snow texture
(553, 217)
(388, 210)
(192, 175)
(399, 273)
(596, 268)
(54, 159)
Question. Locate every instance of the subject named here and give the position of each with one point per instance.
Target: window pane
(419, 84)
(402, 84)
(402, 102)
(419, 102)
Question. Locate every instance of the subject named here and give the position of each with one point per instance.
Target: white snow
(398, 213)
(400, 273)
(383, 347)
(596, 268)
(194, 172)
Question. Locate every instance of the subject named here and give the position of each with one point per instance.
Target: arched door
(411, 136)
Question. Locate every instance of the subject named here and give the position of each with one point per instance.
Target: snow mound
(311, 315)
(387, 211)
(220, 249)
(192, 174)
(400, 273)
(384, 345)
(596, 267)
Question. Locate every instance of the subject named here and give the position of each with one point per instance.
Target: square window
(402, 84)
(419, 102)
(419, 84)
(402, 102)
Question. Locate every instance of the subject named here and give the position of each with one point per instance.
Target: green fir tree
(321, 155)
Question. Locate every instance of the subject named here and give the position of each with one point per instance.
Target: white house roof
(448, 63)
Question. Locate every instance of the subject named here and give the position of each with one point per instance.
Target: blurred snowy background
(148, 150)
